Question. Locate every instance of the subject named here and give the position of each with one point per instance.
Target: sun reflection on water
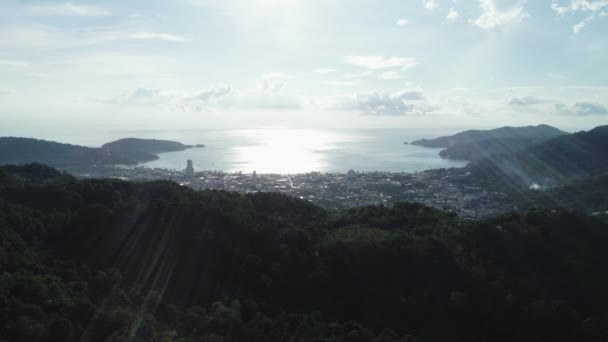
(285, 151)
(293, 151)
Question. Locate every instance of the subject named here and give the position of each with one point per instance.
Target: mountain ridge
(470, 136)
(556, 161)
(477, 144)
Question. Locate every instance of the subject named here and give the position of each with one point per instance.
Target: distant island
(129, 151)
(153, 146)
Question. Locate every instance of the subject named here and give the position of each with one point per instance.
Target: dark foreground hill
(105, 260)
(477, 144)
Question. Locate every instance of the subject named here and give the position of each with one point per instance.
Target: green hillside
(105, 260)
(26, 150)
(557, 161)
(475, 137)
(152, 146)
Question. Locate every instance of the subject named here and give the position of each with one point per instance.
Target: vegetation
(588, 195)
(26, 150)
(558, 161)
(152, 146)
(106, 260)
(490, 147)
(478, 139)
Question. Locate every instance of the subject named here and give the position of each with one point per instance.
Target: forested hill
(101, 260)
(145, 145)
(588, 195)
(556, 161)
(26, 150)
(477, 144)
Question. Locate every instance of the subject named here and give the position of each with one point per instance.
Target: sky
(302, 63)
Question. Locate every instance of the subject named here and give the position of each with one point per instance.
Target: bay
(304, 150)
(274, 150)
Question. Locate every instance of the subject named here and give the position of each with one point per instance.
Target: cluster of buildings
(438, 189)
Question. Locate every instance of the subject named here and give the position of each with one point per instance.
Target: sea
(284, 150)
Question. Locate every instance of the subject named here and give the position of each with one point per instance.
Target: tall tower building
(189, 172)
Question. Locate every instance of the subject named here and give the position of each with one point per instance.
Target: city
(436, 188)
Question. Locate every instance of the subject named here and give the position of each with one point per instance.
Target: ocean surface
(278, 150)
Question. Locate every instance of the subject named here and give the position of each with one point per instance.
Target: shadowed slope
(529, 276)
(559, 160)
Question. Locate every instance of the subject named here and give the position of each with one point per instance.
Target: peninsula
(474, 145)
(129, 151)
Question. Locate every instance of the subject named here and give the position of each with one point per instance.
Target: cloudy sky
(303, 63)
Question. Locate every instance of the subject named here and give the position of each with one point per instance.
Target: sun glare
(284, 151)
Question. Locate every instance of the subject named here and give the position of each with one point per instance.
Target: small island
(153, 146)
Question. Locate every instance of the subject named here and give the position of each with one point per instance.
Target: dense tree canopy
(107, 260)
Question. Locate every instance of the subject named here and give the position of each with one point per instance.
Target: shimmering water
(301, 150)
(276, 150)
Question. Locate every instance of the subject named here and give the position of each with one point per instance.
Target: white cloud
(452, 16)
(579, 5)
(390, 75)
(67, 9)
(556, 76)
(582, 6)
(325, 70)
(362, 74)
(581, 109)
(174, 99)
(267, 86)
(560, 10)
(5, 92)
(140, 96)
(274, 75)
(211, 99)
(139, 67)
(496, 13)
(36, 39)
(430, 4)
(213, 94)
(339, 83)
(381, 62)
(159, 36)
(581, 25)
(14, 63)
(383, 103)
(527, 101)
(402, 22)
(272, 82)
